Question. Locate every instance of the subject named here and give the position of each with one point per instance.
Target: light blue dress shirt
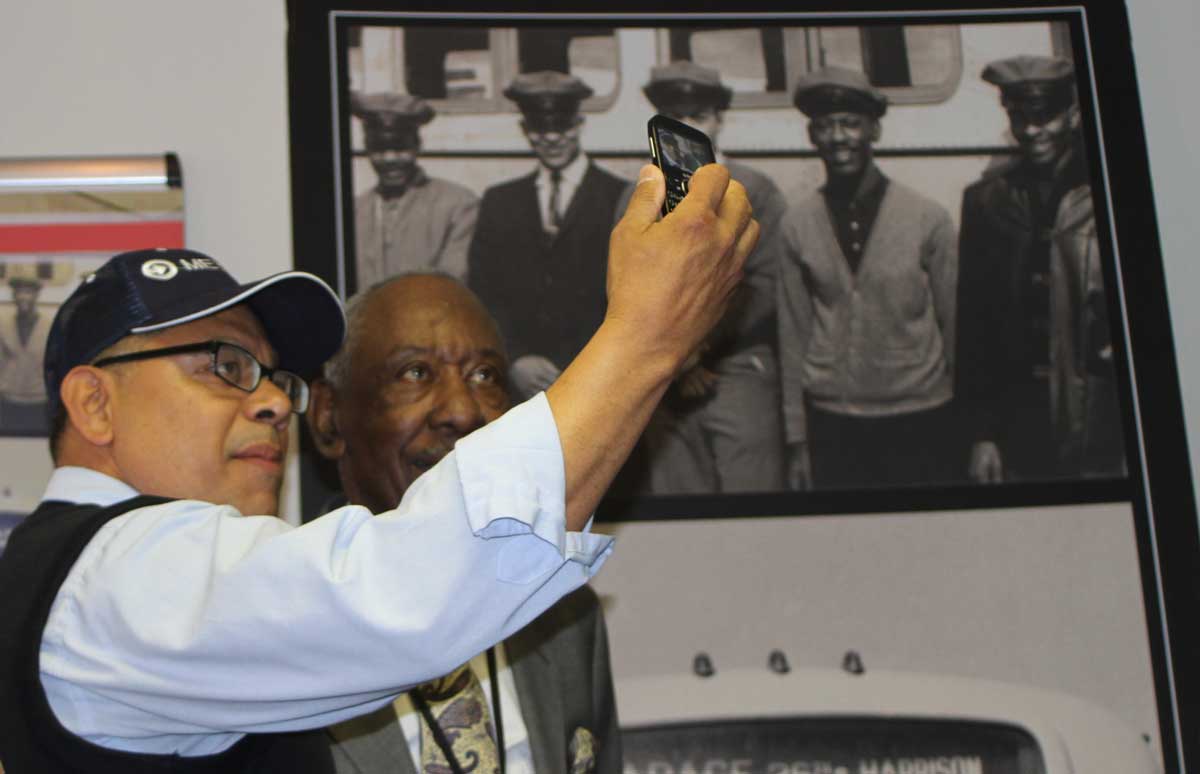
(186, 625)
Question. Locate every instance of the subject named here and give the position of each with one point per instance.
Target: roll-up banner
(60, 218)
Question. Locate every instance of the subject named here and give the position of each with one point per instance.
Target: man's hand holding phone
(669, 282)
(671, 279)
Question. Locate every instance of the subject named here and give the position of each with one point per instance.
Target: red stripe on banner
(90, 237)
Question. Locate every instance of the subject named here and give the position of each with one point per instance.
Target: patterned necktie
(459, 707)
(555, 205)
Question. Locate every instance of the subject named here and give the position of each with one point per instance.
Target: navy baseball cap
(149, 290)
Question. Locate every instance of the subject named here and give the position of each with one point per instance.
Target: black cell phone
(678, 150)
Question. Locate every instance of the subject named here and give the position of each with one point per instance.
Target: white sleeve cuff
(513, 484)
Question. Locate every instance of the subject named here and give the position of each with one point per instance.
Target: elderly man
(157, 623)
(22, 340)
(537, 259)
(422, 367)
(409, 220)
(720, 429)
(1035, 370)
(866, 307)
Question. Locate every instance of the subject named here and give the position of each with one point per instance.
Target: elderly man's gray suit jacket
(561, 670)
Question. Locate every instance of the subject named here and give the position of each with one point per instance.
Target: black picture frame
(1159, 485)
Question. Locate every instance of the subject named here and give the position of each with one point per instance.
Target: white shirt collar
(572, 173)
(83, 485)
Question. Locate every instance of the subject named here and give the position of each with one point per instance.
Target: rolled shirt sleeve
(183, 626)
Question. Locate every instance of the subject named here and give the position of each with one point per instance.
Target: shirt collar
(83, 485)
(869, 186)
(572, 173)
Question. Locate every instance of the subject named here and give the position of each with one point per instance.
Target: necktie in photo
(459, 707)
(555, 201)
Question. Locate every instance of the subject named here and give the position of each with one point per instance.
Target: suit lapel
(375, 742)
(540, 694)
(1009, 208)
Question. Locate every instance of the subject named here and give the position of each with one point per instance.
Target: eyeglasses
(233, 365)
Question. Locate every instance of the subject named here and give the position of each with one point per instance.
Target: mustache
(431, 455)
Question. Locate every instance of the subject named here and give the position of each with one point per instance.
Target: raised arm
(669, 282)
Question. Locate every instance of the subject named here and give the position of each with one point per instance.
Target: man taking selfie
(163, 625)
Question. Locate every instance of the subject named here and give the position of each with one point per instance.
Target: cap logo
(162, 269)
(159, 269)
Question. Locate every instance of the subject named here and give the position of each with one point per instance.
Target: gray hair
(337, 368)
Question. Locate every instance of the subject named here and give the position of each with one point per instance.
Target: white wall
(139, 76)
(1164, 36)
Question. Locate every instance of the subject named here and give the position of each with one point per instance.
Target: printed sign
(832, 746)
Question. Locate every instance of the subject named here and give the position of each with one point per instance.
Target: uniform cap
(685, 88)
(150, 290)
(387, 112)
(548, 91)
(1043, 84)
(1025, 68)
(24, 273)
(838, 89)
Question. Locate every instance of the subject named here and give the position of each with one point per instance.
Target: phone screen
(681, 155)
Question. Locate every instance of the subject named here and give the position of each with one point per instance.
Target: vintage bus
(944, 124)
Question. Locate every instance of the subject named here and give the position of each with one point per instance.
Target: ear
(87, 396)
(812, 133)
(876, 129)
(322, 423)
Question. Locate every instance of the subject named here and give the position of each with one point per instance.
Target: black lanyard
(439, 736)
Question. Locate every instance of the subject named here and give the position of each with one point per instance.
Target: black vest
(40, 553)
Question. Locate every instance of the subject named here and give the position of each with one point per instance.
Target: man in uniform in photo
(542, 696)
(23, 335)
(1036, 381)
(537, 260)
(866, 307)
(720, 427)
(409, 220)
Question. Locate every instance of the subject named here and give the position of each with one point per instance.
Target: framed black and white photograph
(936, 314)
(921, 502)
